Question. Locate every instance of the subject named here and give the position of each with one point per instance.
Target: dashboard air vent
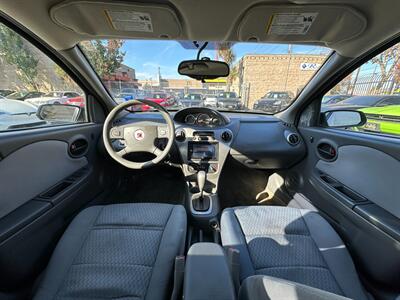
(226, 136)
(293, 139)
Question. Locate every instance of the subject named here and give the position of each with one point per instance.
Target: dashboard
(255, 140)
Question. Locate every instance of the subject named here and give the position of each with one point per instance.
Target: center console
(203, 153)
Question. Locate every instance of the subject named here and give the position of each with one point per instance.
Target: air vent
(78, 147)
(226, 136)
(326, 151)
(293, 139)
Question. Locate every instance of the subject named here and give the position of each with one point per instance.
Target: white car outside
(58, 97)
(211, 101)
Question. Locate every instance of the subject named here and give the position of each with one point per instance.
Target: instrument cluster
(202, 117)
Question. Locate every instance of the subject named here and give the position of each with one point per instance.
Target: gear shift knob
(201, 180)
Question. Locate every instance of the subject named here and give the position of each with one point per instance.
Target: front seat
(121, 251)
(292, 244)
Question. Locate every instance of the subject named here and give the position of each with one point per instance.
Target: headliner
(350, 27)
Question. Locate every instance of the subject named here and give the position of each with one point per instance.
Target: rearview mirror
(203, 69)
(59, 112)
(343, 118)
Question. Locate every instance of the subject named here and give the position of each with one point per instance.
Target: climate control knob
(226, 136)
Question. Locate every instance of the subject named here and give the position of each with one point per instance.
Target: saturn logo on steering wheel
(139, 134)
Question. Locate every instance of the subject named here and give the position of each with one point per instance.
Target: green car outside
(384, 119)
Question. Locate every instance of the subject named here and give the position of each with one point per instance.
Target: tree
(67, 82)
(387, 62)
(15, 52)
(225, 52)
(105, 56)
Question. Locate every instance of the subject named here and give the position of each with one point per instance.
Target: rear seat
(291, 244)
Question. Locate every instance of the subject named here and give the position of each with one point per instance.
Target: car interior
(106, 197)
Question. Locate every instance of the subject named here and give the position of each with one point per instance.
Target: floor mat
(240, 185)
(156, 185)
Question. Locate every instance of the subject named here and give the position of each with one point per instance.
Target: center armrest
(207, 274)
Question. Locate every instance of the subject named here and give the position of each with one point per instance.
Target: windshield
(367, 101)
(143, 67)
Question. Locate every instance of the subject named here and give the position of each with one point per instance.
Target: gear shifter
(201, 180)
(202, 203)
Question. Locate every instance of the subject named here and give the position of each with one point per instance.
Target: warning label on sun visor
(291, 23)
(130, 20)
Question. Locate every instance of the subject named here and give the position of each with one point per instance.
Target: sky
(146, 56)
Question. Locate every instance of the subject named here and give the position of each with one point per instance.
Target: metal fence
(369, 84)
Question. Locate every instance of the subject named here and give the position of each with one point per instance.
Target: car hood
(12, 107)
(267, 100)
(189, 100)
(42, 99)
(392, 110)
(228, 99)
(157, 100)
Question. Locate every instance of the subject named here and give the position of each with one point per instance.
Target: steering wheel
(138, 137)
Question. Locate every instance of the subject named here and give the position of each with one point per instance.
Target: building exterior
(171, 85)
(123, 78)
(259, 74)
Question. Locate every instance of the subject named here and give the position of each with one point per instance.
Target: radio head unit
(202, 151)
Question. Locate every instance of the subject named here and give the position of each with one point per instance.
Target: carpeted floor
(162, 184)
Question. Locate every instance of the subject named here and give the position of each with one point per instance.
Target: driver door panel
(43, 186)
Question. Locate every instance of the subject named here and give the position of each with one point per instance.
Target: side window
(374, 89)
(33, 87)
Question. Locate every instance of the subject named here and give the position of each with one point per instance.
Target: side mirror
(203, 69)
(59, 112)
(343, 118)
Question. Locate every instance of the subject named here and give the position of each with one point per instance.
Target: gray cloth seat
(121, 251)
(260, 287)
(292, 244)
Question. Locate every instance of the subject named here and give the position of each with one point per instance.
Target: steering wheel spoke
(121, 152)
(162, 131)
(116, 132)
(156, 151)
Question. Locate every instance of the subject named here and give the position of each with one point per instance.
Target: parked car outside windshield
(273, 102)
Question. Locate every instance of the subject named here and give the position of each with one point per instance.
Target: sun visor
(102, 19)
(301, 24)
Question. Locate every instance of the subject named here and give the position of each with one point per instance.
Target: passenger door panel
(358, 192)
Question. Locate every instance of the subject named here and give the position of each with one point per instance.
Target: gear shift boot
(201, 203)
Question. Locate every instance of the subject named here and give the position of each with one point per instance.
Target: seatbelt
(179, 272)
